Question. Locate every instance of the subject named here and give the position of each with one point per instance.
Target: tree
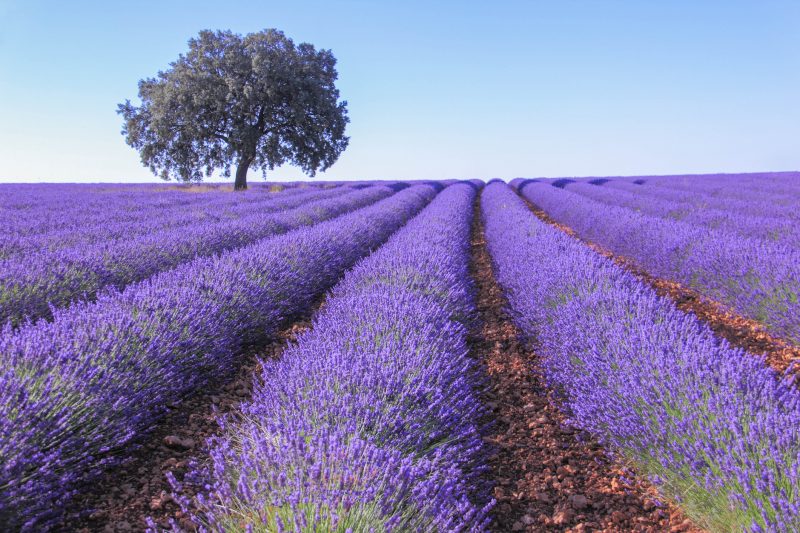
(256, 100)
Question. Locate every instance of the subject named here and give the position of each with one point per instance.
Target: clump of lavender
(372, 420)
(76, 393)
(713, 426)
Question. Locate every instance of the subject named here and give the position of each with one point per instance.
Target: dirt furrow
(124, 497)
(739, 331)
(547, 475)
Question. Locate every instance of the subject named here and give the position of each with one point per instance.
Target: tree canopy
(256, 100)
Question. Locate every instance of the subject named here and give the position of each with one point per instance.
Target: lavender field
(574, 354)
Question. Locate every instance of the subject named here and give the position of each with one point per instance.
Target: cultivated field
(587, 354)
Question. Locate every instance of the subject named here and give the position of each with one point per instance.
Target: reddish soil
(548, 476)
(739, 331)
(125, 496)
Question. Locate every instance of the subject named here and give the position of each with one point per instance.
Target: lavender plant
(714, 427)
(749, 197)
(743, 186)
(33, 284)
(118, 219)
(767, 226)
(77, 392)
(759, 279)
(371, 421)
(31, 209)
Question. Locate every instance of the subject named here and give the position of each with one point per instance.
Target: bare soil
(548, 476)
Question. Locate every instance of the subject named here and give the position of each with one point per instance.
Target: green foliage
(255, 100)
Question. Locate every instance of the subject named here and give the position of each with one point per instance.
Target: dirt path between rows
(124, 497)
(547, 475)
(739, 331)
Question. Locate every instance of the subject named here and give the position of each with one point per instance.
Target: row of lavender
(775, 196)
(371, 421)
(31, 285)
(712, 426)
(743, 186)
(722, 216)
(773, 186)
(114, 220)
(759, 279)
(30, 209)
(75, 393)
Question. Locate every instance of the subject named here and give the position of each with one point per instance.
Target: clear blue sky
(435, 89)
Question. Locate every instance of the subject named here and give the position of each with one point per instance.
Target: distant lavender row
(31, 285)
(759, 279)
(371, 421)
(722, 218)
(723, 186)
(106, 224)
(734, 185)
(34, 209)
(753, 204)
(756, 195)
(712, 426)
(75, 392)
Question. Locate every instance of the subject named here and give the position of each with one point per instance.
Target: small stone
(686, 525)
(563, 517)
(565, 471)
(528, 520)
(97, 515)
(578, 501)
(517, 526)
(123, 526)
(176, 442)
(161, 500)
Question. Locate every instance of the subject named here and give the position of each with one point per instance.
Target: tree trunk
(241, 174)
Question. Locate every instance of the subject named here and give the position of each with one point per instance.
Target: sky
(435, 90)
